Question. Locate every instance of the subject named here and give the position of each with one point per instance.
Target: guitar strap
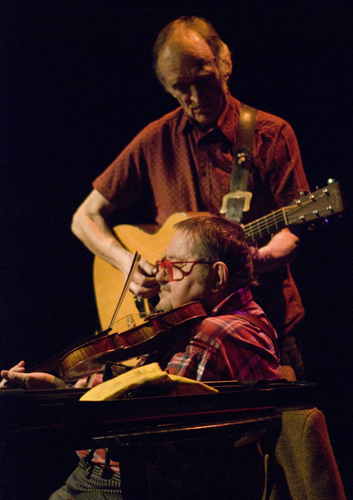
(241, 164)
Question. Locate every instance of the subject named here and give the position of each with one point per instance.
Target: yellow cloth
(145, 375)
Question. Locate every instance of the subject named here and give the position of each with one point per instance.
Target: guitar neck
(309, 208)
(269, 224)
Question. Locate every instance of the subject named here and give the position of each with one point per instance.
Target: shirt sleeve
(286, 168)
(226, 349)
(278, 176)
(199, 362)
(121, 182)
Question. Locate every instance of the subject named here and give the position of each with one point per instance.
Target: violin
(159, 332)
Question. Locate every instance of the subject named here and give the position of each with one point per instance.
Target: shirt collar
(234, 302)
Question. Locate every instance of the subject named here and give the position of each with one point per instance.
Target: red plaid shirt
(226, 347)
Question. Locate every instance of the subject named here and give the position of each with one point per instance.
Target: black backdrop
(77, 85)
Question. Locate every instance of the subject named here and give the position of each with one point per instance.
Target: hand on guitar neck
(281, 249)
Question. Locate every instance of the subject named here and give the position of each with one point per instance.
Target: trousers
(87, 482)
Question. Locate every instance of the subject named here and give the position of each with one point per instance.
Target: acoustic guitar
(152, 242)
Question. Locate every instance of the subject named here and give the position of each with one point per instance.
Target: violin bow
(136, 260)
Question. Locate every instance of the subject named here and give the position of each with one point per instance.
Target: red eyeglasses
(172, 271)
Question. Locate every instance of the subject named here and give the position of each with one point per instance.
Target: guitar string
(276, 220)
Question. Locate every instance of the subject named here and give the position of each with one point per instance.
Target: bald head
(188, 66)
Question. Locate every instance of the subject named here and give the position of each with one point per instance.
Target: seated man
(208, 260)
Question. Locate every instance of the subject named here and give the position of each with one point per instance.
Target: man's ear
(225, 62)
(220, 276)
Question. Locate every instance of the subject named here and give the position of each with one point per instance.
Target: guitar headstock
(316, 206)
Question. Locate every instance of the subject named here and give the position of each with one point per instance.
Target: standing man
(183, 162)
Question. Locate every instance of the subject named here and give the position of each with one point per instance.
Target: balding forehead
(185, 42)
(188, 48)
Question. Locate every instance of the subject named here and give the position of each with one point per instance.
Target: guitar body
(152, 242)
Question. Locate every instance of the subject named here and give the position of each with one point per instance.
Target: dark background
(77, 85)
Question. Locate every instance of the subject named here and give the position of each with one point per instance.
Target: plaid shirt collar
(234, 302)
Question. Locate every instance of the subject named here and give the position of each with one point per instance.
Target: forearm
(281, 250)
(99, 238)
(35, 380)
(90, 225)
(16, 377)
